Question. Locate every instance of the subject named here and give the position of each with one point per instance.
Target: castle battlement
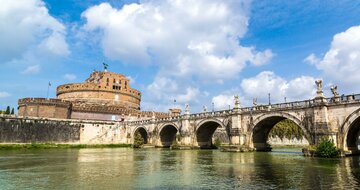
(44, 101)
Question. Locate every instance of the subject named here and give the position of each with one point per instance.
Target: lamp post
(212, 106)
(285, 99)
(269, 98)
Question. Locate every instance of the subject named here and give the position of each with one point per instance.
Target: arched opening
(352, 137)
(262, 129)
(142, 133)
(205, 132)
(168, 135)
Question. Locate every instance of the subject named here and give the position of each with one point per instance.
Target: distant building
(103, 96)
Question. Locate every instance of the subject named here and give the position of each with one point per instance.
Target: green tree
(327, 149)
(7, 110)
(286, 129)
(138, 140)
(12, 111)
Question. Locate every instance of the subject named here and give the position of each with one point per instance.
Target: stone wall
(285, 141)
(15, 129)
(46, 108)
(38, 131)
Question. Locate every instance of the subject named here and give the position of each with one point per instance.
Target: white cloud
(132, 79)
(185, 38)
(341, 63)
(69, 77)
(32, 69)
(189, 96)
(25, 26)
(165, 90)
(261, 58)
(312, 59)
(162, 87)
(301, 88)
(4, 94)
(223, 101)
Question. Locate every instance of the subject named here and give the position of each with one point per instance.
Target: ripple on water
(164, 169)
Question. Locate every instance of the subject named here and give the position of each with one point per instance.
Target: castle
(104, 95)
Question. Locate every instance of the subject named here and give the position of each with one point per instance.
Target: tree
(138, 140)
(7, 110)
(286, 129)
(327, 149)
(12, 111)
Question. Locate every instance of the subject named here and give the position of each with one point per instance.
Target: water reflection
(165, 169)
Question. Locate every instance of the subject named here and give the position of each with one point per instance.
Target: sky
(197, 52)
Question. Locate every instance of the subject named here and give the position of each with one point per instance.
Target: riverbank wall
(15, 129)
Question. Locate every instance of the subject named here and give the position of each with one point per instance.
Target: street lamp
(212, 106)
(269, 98)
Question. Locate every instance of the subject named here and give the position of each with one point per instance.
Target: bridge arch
(143, 132)
(350, 131)
(263, 124)
(205, 131)
(167, 134)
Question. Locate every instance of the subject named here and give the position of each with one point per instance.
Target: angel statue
(334, 91)
(319, 85)
(254, 102)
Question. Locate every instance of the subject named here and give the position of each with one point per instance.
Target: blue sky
(196, 52)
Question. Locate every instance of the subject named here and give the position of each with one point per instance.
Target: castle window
(114, 81)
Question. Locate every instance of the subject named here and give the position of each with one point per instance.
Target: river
(126, 168)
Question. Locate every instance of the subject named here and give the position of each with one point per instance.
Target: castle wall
(47, 108)
(102, 97)
(38, 131)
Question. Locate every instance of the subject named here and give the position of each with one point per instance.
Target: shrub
(217, 142)
(175, 145)
(138, 140)
(327, 149)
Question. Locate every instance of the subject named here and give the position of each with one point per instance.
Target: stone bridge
(337, 118)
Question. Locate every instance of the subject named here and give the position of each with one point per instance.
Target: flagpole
(47, 94)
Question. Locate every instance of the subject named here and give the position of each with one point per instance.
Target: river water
(125, 168)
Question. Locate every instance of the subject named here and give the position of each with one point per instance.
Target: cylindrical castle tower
(102, 88)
